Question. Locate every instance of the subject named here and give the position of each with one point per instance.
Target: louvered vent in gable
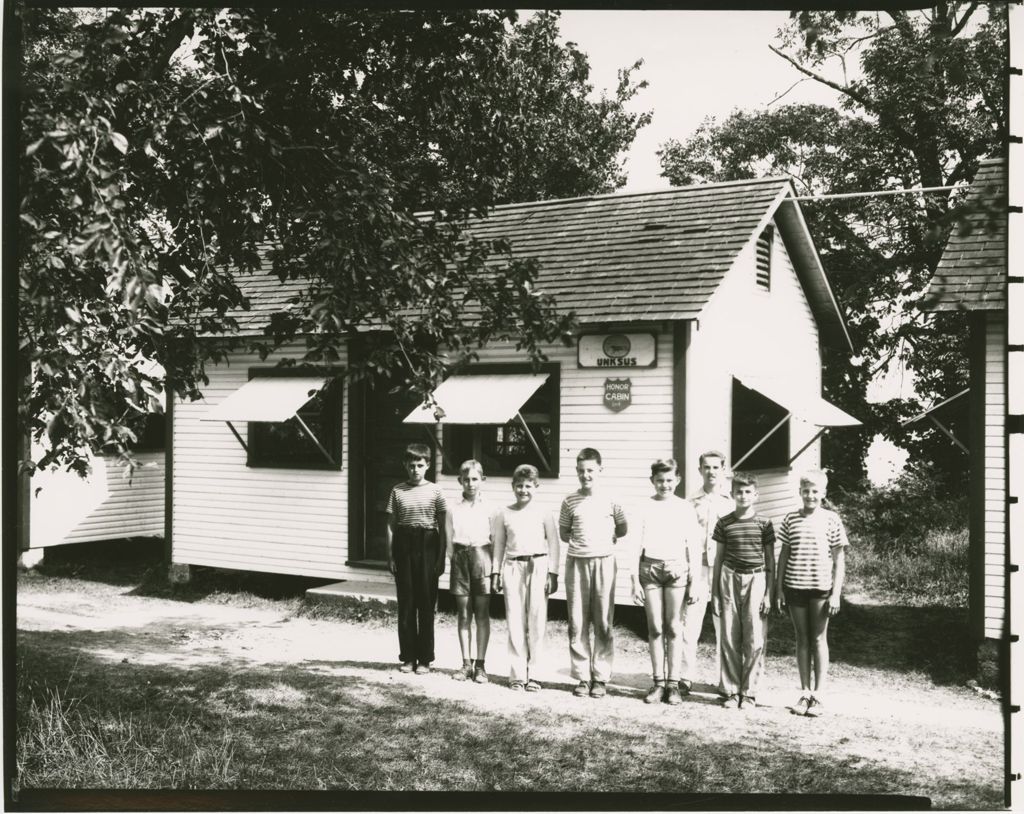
(764, 257)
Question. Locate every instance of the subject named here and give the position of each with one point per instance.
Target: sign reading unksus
(618, 394)
(617, 350)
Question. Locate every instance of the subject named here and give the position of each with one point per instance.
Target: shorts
(471, 570)
(663, 573)
(801, 597)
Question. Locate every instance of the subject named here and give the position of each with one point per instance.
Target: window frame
(256, 458)
(776, 451)
(449, 464)
(763, 270)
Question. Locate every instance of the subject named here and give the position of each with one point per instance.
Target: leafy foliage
(162, 148)
(927, 104)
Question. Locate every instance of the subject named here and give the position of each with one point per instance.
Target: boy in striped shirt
(590, 522)
(812, 566)
(416, 514)
(742, 588)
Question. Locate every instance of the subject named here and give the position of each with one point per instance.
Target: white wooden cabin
(971, 277)
(709, 301)
(61, 508)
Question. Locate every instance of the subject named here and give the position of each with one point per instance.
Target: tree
(928, 103)
(161, 147)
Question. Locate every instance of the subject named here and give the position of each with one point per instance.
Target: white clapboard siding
(105, 506)
(995, 475)
(746, 329)
(229, 515)
(628, 440)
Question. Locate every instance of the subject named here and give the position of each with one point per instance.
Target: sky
(697, 64)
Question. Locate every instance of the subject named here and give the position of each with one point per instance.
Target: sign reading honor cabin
(618, 394)
(617, 350)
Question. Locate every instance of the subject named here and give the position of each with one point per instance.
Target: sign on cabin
(617, 350)
(618, 394)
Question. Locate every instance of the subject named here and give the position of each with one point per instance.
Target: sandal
(517, 686)
(532, 686)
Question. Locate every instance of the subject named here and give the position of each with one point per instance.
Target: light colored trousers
(526, 613)
(590, 595)
(692, 622)
(744, 631)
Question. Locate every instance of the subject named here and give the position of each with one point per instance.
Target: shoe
(406, 667)
(800, 707)
(533, 686)
(422, 669)
(517, 686)
(814, 708)
(672, 695)
(747, 702)
(732, 702)
(464, 673)
(685, 687)
(480, 676)
(597, 690)
(582, 689)
(654, 694)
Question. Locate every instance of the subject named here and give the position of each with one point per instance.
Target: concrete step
(383, 592)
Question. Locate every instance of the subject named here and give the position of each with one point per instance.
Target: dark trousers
(415, 551)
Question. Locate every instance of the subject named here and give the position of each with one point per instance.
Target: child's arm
(780, 577)
(564, 522)
(694, 558)
(551, 534)
(838, 576)
(449, 535)
(441, 517)
(621, 526)
(768, 548)
(389, 537)
(498, 552)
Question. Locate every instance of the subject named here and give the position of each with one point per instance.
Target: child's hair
(711, 453)
(664, 465)
(744, 479)
(526, 472)
(472, 463)
(816, 477)
(416, 452)
(589, 454)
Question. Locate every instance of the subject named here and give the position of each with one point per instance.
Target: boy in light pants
(711, 503)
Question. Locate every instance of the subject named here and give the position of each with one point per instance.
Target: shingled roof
(971, 274)
(639, 257)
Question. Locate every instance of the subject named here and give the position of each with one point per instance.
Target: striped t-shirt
(416, 506)
(589, 522)
(748, 541)
(811, 539)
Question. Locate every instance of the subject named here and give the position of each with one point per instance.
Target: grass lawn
(129, 683)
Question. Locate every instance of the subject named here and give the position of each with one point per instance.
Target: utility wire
(872, 194)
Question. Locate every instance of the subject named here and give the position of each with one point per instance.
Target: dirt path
(945, 736)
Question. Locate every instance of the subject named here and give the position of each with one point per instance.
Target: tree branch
(963, 20)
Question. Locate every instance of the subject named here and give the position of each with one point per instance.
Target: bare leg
(654, 605)
(801, 625)
(462, 606)
(673, 601)
(482, 612)
(817, 614)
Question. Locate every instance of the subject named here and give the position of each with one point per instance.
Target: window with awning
(294, 419)
(762, 408)
(501, 415)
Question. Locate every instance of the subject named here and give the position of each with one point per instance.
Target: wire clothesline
(872, 194)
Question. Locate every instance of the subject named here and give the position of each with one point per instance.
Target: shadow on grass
(300, 727)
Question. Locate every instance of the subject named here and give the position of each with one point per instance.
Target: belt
(468, 545)
(645, 558)
(525, 557)
(758, 569)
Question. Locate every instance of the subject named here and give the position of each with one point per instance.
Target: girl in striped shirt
(812, 566)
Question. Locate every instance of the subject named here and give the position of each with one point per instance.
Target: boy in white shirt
(669, 572)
